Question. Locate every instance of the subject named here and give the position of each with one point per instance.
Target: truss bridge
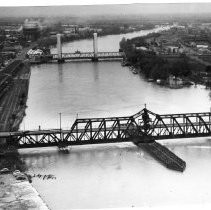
(87, 56)
(145, 125)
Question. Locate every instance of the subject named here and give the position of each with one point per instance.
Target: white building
(202, 46)
(32, 53)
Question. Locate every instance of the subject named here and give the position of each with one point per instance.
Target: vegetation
(107, 29)
(10, 158)
(152, 65)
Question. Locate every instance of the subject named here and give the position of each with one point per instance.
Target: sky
(126, 9)
(88, 2)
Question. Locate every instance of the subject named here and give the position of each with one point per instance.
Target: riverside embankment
(14, 85)
(14, 91)
(21, 195)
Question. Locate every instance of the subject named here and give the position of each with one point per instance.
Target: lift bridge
(93, 56)
(87, 56)
(145, 125)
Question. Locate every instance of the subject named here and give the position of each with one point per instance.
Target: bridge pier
(95, 48)
(95, 59)
(61, 60)
(63, 147)
(59, 49)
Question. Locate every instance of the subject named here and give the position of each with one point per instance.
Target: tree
(181, 68)
(123, 43)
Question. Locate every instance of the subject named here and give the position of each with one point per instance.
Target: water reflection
(96, 72)
(60, 71)
(43, 159)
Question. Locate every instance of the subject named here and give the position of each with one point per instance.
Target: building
(35, 52)
(172, 49)
(82, 30)
(31, 29)
(175, 82)
(202, 46)
(142, 48)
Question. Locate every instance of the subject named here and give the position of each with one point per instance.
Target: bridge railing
(86, 55)
(118, 129)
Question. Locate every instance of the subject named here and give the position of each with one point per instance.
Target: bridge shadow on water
(81, 155)
(111, 154)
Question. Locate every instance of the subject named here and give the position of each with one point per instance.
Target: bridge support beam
(59, 49)
(95, 48)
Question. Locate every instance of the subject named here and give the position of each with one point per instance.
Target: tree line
(153, 65)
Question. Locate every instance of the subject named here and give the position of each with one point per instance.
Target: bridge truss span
(88, 55)
(144, 126)
(177, 125)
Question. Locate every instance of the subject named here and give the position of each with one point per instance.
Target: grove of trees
(152, 65)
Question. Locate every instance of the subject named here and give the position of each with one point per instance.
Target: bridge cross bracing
(145, 125)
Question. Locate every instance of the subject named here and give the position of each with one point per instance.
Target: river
(117, 175)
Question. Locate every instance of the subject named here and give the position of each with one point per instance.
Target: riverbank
(13, 102)
(16, 194)
(173, 71)
(21, 195)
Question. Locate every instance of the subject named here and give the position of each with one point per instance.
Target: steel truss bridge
(88, 55)
(143, 125)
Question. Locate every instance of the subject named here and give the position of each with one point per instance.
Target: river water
(117, 175)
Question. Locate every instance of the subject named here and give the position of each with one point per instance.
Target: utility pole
(60, 124)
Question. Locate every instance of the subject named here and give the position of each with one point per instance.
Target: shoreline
(13, 103)
(53, 40)
(16, 194)
(19, 194)
(162, 83)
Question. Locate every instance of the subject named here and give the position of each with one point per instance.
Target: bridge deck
(116, 129)
(88, 55)
(80, 130)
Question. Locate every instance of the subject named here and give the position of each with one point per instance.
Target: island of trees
(152, 65)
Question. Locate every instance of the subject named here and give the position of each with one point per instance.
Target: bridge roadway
(144, 124)
(87, 55)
